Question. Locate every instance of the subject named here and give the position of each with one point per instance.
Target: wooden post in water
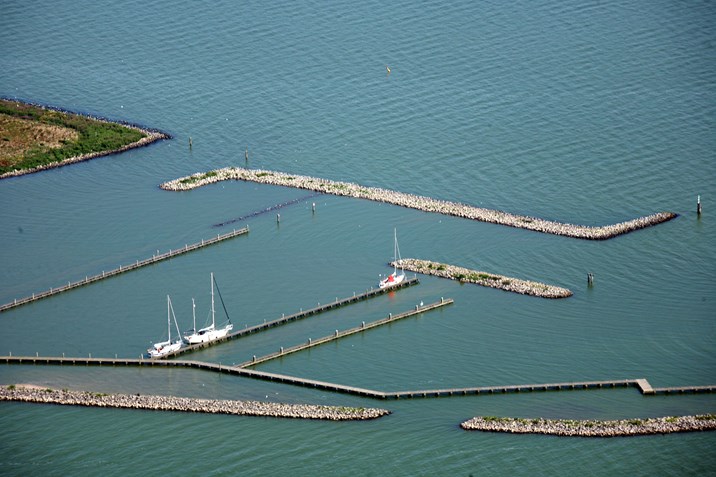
(698, 205)
(190, 142)
(246, 154)
(590, 279)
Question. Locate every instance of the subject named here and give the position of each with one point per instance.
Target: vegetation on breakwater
(34, 137)
(592, 428)
(412, 201)
(35, 394)
(465, 275)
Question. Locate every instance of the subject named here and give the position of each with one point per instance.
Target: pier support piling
(698, 205)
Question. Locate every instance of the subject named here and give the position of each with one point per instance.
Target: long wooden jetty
(342, 334)
(372, 292)
(641, 384)
(125, 268)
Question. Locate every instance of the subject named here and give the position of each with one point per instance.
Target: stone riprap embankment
(566, 427)
(412, 201)
(172, 403)
(150, 137)
(515, 285)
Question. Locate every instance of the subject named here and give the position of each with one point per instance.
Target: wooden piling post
(190, 144)
(278, 218)
(590, 279)
(698, 205)
(246, 154)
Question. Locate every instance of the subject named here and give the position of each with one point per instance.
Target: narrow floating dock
(295, 317)
(426, 204)
(342, 334)
(124, 268)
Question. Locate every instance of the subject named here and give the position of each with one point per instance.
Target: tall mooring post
(698, 205)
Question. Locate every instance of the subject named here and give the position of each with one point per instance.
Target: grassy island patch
(33, 136)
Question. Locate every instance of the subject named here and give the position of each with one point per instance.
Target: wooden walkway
(641, 384)
(342, 334)
(295, 317)
(123, 268)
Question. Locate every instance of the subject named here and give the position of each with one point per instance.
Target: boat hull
(206, 336)
(392, 280)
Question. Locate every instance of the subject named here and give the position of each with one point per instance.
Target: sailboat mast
(169, 323)
(212, 300)
(395, 251)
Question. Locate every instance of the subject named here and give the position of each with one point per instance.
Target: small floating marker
(698, 205)
(278, 218)
(190, 144)
(313, 208)
(590, 279)
(387, 70)
(246, 154)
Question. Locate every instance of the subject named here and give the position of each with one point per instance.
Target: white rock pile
(412, 201)
(453, 272)
(172, 403)
(593, 428)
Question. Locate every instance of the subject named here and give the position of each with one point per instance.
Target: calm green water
(584, 113)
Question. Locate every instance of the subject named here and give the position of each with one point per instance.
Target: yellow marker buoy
(387, 68)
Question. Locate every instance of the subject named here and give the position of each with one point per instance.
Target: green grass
(94, 135)
(192, 179)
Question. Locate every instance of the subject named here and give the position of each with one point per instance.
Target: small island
(36, 394)
(465, 275)
(592, 428)
(35, 137)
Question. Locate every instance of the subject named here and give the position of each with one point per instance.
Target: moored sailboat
(394, 278)
(165, 347)
(211, 332)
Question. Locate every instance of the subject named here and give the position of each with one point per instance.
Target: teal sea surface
(583, 112)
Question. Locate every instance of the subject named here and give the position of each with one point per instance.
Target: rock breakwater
(412, 201)
(453, 272)
(592, 428)
(35, 394)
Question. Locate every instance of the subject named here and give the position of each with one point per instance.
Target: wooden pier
(294, 317)
(124, 268)
(342, 334)
(641, 384)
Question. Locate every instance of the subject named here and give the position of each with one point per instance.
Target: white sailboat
(211, 332)
(165, 347)
(394, 278)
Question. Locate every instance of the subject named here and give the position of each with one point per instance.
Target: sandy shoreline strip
(412, 201)
(37, 394)
(593, 428)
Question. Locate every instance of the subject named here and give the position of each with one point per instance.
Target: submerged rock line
(35, 394)
(412, 201)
